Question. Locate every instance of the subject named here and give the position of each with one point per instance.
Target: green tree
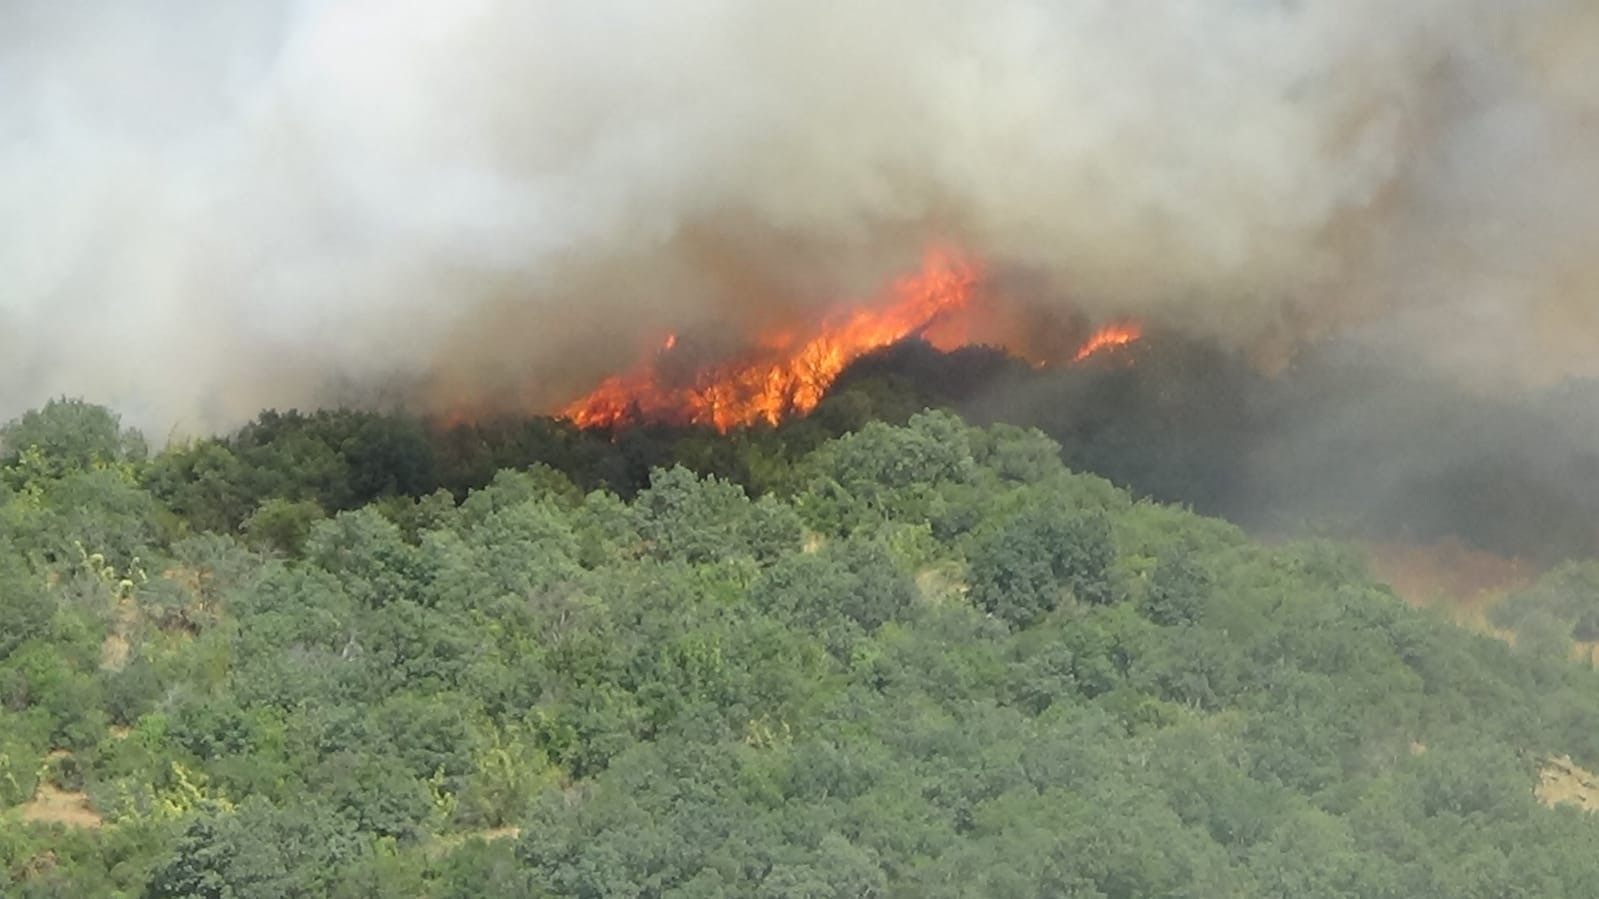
(69, 435)
(1178, 591)
(682, 516)
(25, 608)
(256, 852)
(1023, 568)
(282, 525)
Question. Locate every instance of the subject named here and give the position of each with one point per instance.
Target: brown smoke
(213, 208)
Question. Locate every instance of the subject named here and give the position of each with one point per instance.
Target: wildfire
(787, 373)
(1108, 337)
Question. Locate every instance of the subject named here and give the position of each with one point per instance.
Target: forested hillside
(358, 655)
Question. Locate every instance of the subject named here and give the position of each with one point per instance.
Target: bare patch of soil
(53, 805)
(1562, 781)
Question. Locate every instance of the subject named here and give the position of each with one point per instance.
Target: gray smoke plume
(207, 207)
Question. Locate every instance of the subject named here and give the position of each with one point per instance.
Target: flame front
(1109, 337)
(786, 374)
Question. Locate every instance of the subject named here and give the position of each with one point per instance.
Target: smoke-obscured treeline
(344, 655)
(1344, 443)
(1347, 441)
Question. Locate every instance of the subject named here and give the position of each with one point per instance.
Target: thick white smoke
(207, 207)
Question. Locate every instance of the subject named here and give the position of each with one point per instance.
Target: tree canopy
(351, 654)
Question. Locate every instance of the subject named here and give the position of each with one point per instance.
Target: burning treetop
(788, 372)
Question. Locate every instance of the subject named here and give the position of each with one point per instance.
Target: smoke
(209, 207)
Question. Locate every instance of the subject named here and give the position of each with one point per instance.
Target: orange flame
(1108, 337)
(785, 375)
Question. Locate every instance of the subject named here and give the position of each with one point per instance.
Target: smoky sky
(211, 207)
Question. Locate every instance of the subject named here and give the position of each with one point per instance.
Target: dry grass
(1452, 577)
(443, 845)
(1448, 571)
(52, 805)
(940, 583)
(114, 652)
(1562, 782)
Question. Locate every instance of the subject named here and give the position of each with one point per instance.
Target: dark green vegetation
(343, 655)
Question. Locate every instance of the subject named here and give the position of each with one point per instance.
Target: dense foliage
(348, 655)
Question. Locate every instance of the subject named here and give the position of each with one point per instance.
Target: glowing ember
(786, 373)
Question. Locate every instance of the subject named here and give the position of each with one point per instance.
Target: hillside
(347, 655)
